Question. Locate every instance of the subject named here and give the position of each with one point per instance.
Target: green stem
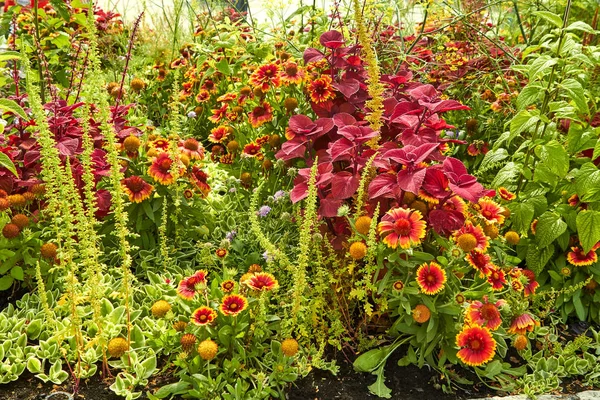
(37, 38)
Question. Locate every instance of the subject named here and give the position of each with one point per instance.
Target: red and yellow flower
(203, 316)
(252, 149)
(292, 74)
(260, 115)
(218, 114)
(505, 194)
(218, 134)
(497, 279)
(137, 189)
(485, 313)
(580, 259)
(192, 148)
(522, 324)
(491, 211)
(262, 281)
(265, 76)
(233, 304)
(474, 234)
(481, 262)
(221, 252)
(203, 96)
(160, 169)
(477, 345)
(228, 285)
(321, 89)
(188, 287)
(531, 284)
(404, 227)
(431, 278)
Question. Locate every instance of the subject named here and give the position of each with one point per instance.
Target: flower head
(477, 345)
(218, 134)
(497, 279)
(321, 89)
(580, 259)
(398, 285)
(264, 211)
(160, 308)
(137, 189)
(228, 286)
(192, 148)
(481, 262)
(470, 232)
(203, 316)
(505, 194)
(431, 278)
(485, 313)
(531, 284)
(421, 313)
(491, 211)
(160, 169)
(191, 285)
(208, 349)
(221, 252)
(117, 347)
(289, 347)
(262, 281)
(261, 115)
(265, 76)
(292, 73)
(404, 227)
(520, 342)
(233, 304)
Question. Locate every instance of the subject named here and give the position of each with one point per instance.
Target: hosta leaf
(588, 228)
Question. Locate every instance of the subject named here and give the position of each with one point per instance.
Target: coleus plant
(408, 152)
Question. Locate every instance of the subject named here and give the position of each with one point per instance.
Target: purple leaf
(344, 185)
(382, 186)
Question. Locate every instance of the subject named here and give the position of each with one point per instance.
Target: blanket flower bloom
(431, 278)
(404, 227)
(477, 345)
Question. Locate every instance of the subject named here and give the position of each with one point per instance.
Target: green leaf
(554, 157)
(554, 19)
(523, 121)
(34, 365)
(10, 55)
(596, 150)
(521, 215)
(379, 388)
(370, 360)
(6, 282)
(541, 66)
(529, 95)
(223, 67)
(550, 226)
(580, 26)
(17, 273)
(576, 93)
(588, 228)
(172, 388)
(12, 106)
(537, 258)
(5, 162)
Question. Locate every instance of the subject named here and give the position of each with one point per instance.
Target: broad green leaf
(529, 95)
(580, 26)
(379, 388)
(17, 273)
(522, 122)
(172, 389)
(540, 67)
(596, 150)
(521, 215)
(554, 19)
(34, 365)
(223, 67)
(576, 93)
(507, 175)
(579, 308)
(370, 360)
(6, 162)
(549, 227)
(554, 157)
(579, 139)
(12, 106)
(6, 282)
(588, 228)
(537, 257)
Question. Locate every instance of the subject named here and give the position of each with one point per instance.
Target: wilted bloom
(233, 304)
(262, 281)
(431, 278)
(403, 227)
(477, 345)
(203, 316)
(485, 313)
(160, 169)
(264, 211)
(137, 189)
(191, 285)
(522, 324)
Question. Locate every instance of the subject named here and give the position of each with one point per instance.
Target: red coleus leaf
(461, 183)
(411, 155)
(291, 149)
(68, 147)
(436, 183)
(301, 124)
(300, 190)
(411, 181)
(358, 134)
(328, 206)
(332, 40)
(383, 186)
(312, 55)
(429, 97)
(342, 149)
(347, 87)
(344, 185)
(445, 221)
(342, 119)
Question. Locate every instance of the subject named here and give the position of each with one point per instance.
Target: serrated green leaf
(549, 227)
(554, 157)
(12, 106)
(10, 55)
(554, 19)
(529, 95)
(537, 258)
(540, 67)
(521, 215)
(522, 122)
(580, 26)
(379, 388)
(576, 93)
(588, 229)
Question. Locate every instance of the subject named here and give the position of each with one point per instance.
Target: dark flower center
(402, 227)
(191, 144)
(489, 312)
